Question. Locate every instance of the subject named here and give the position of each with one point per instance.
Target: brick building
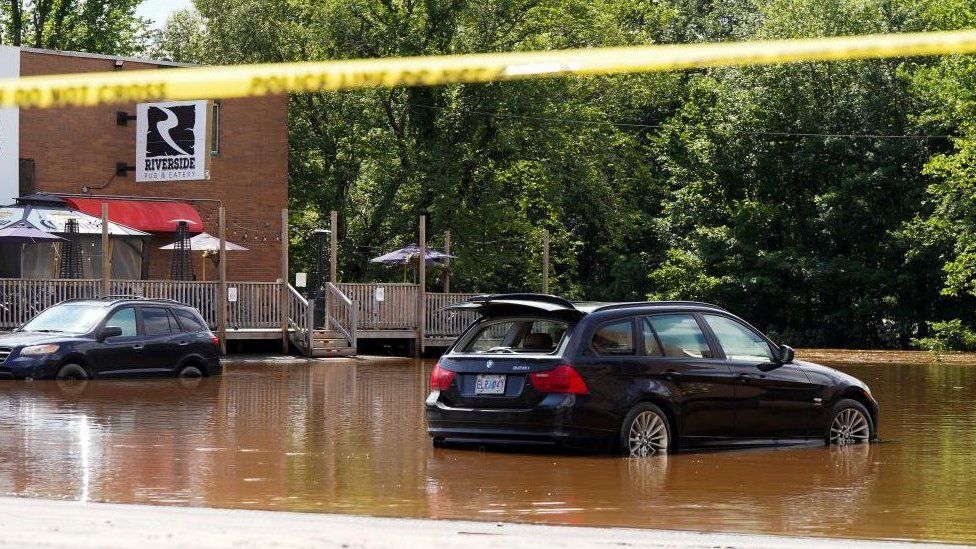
(94, 150)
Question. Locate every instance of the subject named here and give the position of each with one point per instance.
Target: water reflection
(349, 437)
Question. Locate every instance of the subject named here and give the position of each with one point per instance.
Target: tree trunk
(16, 22)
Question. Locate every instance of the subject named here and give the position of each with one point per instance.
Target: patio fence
(258, 305)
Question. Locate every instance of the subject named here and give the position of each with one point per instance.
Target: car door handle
(672, 374)
(744, 377)
(184, 343)
(139, 347)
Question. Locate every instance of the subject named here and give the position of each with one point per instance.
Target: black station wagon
(112, 337)
(642, 378)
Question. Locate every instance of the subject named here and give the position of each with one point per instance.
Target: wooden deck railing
(342, 312)
(397, 311)
(202, 295)
(300, 320)
(443, 324)
(352, 307)
(21, 300)
(258, 305)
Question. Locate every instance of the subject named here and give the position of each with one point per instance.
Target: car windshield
(518, 335)
(70, 319)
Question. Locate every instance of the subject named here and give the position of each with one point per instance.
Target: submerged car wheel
(190, 371)
(851, 424)
(72, 372)
(645, 431)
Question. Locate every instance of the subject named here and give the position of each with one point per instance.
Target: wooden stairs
(330, 343)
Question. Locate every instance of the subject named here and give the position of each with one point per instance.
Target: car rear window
(518, 335)
(157, 321)
(615, 338)
(189, 322)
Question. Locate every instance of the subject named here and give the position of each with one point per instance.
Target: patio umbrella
(411, 254)
(206, 243)
(25, 233)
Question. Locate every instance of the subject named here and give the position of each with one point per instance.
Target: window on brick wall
(215, 130)
(27, 180)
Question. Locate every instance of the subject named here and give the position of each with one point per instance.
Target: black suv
(111, 337)
(640, 377)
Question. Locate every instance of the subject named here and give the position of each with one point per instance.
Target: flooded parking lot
(349, 437)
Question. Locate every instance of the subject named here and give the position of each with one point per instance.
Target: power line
(579, 122)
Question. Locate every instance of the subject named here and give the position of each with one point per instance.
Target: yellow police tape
(272, 79)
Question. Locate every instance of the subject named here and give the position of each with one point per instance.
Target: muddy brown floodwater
(349, 437)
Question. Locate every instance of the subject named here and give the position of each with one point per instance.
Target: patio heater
(70, 264)
(319, 277)
(182, 267)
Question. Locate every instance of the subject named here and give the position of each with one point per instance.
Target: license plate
(486, 384)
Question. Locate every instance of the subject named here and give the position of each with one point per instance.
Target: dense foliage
(831, 203)
(93, 26)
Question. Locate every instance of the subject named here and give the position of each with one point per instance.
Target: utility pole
(447, 262)
(545, 261)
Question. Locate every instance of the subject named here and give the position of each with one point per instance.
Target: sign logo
(171, 131)
(172, 141)
(489, 364)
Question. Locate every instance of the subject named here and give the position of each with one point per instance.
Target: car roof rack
(627, 305)
(139, 298)
(122, 297)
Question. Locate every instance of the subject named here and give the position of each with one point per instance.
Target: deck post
(545, 261)
(283, 293)
(334, 247)
(222, 297)
(106, 254)
(447, 262)
(421, 287)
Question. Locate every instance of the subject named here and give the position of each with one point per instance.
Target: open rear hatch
(493, 370)
(518, 304)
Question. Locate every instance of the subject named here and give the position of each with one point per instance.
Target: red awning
(144, 215)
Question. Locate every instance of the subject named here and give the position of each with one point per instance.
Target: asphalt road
(36, 523)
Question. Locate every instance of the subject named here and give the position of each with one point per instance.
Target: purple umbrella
(410, 254)
(25, 233)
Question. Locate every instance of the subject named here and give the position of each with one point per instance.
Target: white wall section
(9, 132)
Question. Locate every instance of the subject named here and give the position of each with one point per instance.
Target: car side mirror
(109, 331)
(786, 354)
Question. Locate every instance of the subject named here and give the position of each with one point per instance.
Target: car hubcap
(849, 427)
(648, 435)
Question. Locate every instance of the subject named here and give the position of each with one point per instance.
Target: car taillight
(215, 340)
(562, 379)
(441, 379)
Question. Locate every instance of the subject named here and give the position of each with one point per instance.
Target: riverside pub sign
(173, 141)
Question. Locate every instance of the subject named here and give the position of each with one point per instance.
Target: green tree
(516, 158)
(786, 203)
(815, 199)
(94, 26)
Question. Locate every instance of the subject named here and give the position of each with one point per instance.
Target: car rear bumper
(554, 421)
